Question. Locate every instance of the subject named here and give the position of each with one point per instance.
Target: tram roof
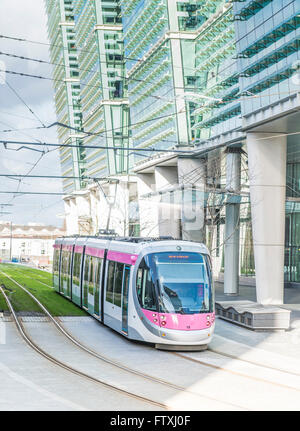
(133, 245)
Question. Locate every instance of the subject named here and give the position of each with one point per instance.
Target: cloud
(27, 19)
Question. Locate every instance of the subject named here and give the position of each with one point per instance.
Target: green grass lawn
(39, 283)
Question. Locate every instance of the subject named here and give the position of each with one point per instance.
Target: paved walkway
(267, 378)
(291, 298)
(31, 382)
(245, 370)
(284, 343)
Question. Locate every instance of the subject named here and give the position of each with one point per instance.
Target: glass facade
(267, 48)
(63, 54)
(99, 37)
(167, 73)
(149, 67)
(216, 75)
(292, 223)
(267, 43)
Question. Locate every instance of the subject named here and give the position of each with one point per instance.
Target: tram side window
(110, 282)
(55, 279)
(98, 273)
(139, 281)
(97, 285)
(92, 275)
(146, 289)
(76, 268)
(211, 283)
(65, 261)
(56, 261)
(65, 272)
(86, 270)
(118, 283)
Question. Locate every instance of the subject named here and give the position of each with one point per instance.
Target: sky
(27, 20)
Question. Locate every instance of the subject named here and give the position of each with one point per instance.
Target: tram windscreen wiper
(185, 310)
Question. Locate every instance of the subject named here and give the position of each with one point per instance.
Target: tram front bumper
(184, 338)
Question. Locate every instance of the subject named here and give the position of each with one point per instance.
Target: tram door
(85, 302)
(97, 286)
(125, 299)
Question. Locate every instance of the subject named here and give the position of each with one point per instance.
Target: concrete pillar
(213, 169)
(119, 216)
(94, 198)
(168, 218)
(72, 227)
(232, 223)
(267, 177)
(83, 205)
(148, 206)
(192, 177)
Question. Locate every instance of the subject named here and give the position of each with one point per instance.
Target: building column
(166, 177)
(192, 178)
(148, 211)
(232, 222)
(72, 227)
(267, 177)
(83, 205)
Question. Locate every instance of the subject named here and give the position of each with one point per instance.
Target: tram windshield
(181, 281)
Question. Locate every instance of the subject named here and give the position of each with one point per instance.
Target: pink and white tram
(156, 291)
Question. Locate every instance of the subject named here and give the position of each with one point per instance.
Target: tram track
(98, 356)
(158, 380)
(67, 367)
(269, 367)
(238, 373)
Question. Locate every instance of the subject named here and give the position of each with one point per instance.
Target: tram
(155, 291)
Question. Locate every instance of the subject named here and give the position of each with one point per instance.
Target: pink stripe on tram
(117, 256)
(182, 322)
(78, 248)
(96, 252)
(67, 247)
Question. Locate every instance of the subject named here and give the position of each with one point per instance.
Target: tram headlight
(208, 317)
(163, 322)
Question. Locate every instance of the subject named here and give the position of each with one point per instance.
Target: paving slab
(266, 389)
(30, 382)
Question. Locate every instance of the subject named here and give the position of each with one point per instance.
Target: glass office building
(267, 42)
(217, 77)
(103, 92)
(63, 55)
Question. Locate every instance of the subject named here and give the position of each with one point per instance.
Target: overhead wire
(103, 132)
(23, 101)
(48, 44)
(140, 60)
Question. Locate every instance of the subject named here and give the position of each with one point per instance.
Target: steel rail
(227, 355)
(157, 380)
(238, 373)
(67, 367)
(109, 360)
(92, 352)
